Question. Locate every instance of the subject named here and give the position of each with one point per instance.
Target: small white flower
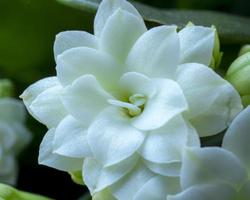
(126, 102)
(13, 137)
(219, 173)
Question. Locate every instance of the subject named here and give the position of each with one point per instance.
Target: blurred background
(27, 33)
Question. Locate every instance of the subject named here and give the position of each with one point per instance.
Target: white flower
(219, 173)
(13, 137)
(127, 101)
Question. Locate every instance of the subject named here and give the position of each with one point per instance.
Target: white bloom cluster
(219, 173)
(126, 103)
(13, 137)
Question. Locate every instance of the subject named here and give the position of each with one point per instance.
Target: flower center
(134, 106)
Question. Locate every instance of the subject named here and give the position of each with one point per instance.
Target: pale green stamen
(137, 99)
(134, 106)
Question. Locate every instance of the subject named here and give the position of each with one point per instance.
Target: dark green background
(27, 32)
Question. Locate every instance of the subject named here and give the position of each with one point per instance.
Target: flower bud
(10, 193)
(244, 49)
(6, 88)
(217, 54)
(238, 75)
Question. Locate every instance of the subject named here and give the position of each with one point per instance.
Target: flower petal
(117, 37)
(237, 137)
(165, 145)
(30, 94)
(12, 110)
(8, 169)
(193, 139)
(48, 108)
(215, 191)
(70, 39)
(156, 53)
(168, 102)
(107, 8)
(196, 44)
(136, 83)
(49, 158)
(210, 165)
(8, 136)
(212, 101)
(165, 169)
(157, 188)
(127, 187)
(91, 173)
(85, 98)
(97, 177)
(23, 136)
(112, 138)
(71, 139)
(80, 61)
(13, 136)
(173, 168)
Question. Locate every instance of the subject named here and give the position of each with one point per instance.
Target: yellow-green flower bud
(6, 88)
(217, 54)
(10, 193)
(238, 75)
(77, 177)
(244, 49)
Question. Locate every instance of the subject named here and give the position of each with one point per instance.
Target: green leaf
(9, 193)
(232, 29)
(85, 5)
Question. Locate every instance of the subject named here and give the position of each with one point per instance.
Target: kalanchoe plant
(14, 136)
(219, 173)
(126, 103)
